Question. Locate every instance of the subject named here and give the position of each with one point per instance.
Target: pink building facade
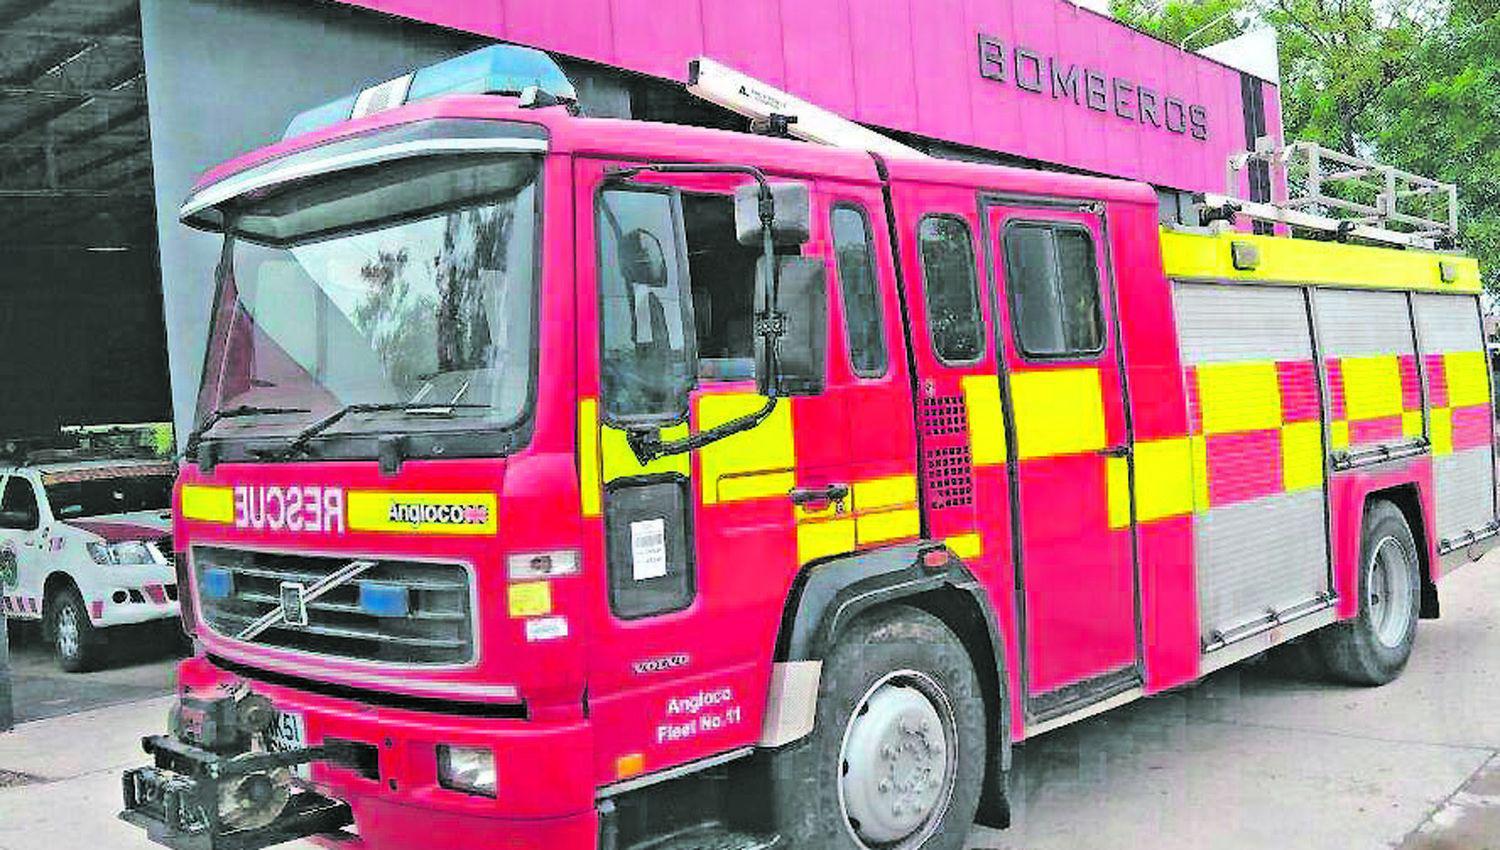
(1043, 80)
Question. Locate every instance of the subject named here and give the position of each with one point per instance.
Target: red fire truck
(577, 483)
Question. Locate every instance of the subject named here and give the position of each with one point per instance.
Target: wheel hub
(896, 763)
(1388, 592)
(67, 631)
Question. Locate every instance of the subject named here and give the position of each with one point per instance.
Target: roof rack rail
(1348, 196)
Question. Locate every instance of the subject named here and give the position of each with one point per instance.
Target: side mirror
(803, 348)
(793, 214)
(24, 520)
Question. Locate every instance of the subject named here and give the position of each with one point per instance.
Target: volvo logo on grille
(294, 598)
(293, 604)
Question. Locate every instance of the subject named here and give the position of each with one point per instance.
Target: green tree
(1415, 83)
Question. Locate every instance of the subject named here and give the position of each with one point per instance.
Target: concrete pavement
(142, 663)
(1252, 758)
(1255, 757)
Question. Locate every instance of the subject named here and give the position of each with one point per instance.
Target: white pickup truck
(85, 545)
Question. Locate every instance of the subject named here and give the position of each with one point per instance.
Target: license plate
(289, 732)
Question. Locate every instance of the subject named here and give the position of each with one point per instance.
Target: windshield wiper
(190, 446)
(424, 408)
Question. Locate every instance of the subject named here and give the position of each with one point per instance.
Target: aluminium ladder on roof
(1345, 194)
(764, 104)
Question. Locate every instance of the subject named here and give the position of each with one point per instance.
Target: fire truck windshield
(410, 283)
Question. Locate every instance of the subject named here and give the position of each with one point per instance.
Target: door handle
(1122, 450)
(818, 498)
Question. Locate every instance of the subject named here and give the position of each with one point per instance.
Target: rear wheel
(897, 756)
(1373, 648)
(73, 635)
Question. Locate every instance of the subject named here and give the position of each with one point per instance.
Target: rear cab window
(951, 288)
(864, 322)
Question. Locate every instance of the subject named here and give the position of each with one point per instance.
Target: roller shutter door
(1456, 378)
(1369, 369)
(1256, 429)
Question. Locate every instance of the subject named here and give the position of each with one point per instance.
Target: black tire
(1373, 648)
(893, 656)
(74, 638)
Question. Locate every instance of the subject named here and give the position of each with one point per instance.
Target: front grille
(396, 612)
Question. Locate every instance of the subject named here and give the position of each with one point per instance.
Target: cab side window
(952, 292)
(864, 326)
(1052, 275)
(647, 320)
(722, 273)
(18, 507)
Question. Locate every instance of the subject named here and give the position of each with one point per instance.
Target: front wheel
(1373, 648)
(73, 634)
(896, 759)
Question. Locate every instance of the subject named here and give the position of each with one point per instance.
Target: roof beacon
(501, 69)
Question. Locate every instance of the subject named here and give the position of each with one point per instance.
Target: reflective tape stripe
(1242, 396)
(822, 539)
(967, 546)
(1471, 427)
(1436, 371)
(619, 461)
(1243, 466)
(1117, 483)
(1441, 421)
(1057, 412)
(1301, 455)
(986, 424)
(756, 485)
(1467, 378)
(766, 448)
(1411, 423)
(1380, 430)
(1338, 434)
(1299, 390)
(1199, 448)
(1300, 261)
(588, 456)
(1411, 386)
(1372, 386)
(209, 504)
(1163, 479)
(885, 526)
(891, 491)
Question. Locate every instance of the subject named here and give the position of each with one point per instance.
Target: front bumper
(545, 790)
(127, 594)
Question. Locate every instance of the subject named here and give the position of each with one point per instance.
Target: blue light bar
(500, 69)
(506, 69)
(321, 116)
(384, 600)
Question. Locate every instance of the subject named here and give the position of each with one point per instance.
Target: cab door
(23, 545)
(1071, 464)
(690, 550)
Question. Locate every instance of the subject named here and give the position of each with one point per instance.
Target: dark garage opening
(81, 333)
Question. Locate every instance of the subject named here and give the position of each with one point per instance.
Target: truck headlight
(467, 769)
(124, 553)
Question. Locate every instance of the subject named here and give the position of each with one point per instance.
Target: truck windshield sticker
(648, 548)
